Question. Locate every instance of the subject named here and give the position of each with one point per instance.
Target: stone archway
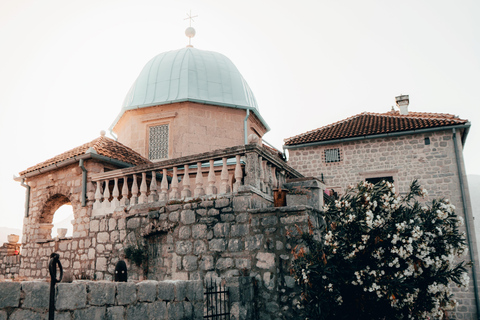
(45, 220)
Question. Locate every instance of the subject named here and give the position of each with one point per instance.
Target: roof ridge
(326, 126)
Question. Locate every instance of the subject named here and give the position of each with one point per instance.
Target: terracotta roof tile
(368, 123)
(103, 146)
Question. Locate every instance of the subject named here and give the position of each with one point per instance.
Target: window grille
(332, 155)
(158, 142)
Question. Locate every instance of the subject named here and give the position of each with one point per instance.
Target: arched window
(54, 205)
(62, 219)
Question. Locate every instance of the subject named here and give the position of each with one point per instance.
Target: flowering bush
(382, 256)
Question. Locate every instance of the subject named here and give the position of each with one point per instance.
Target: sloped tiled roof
(103, 146)
(368, 123)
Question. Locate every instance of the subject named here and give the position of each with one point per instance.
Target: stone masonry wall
(168, 300)
(221, 238)
(9, 267)
(405, 158)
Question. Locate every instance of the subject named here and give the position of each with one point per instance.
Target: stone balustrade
(246, 167)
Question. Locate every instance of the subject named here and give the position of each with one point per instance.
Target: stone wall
(98, 300)
(9, 267)
(224, 237)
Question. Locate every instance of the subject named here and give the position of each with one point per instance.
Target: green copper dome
(194, 75)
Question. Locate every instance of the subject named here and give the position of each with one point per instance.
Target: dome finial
(190, 31)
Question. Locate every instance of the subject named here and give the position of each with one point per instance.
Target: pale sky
(66, 66)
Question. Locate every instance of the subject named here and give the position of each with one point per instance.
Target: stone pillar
(252, 170)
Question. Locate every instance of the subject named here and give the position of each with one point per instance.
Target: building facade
(400, 147)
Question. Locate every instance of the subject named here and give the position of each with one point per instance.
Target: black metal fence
(217, 305)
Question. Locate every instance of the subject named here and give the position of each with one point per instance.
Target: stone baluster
(281, 178)
(106, 196)
(274, 178)
(143, 189)
(238, 174)
(211, 189)
(268, 178)
(134, 198)
(224, 187)
(153, 196)
(115, 194)
(164, 186)
(186, 192)
(98, 197)
(174, 186)
(262, 174)
(124, 201)
(199, 191)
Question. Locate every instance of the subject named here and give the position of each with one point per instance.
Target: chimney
(402, 104)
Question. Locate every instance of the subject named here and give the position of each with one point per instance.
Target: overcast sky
(66, 66)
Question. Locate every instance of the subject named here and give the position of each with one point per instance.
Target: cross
(190, 17)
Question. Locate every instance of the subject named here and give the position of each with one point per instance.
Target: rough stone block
(36, 295)
(62, 316)
(199, 247)
(180, 290)
(9, 294)
(218, 245)
(190, 263)
(133, 223)
(115, 313)
(166, 291)
(175, 310)
(126, 293)
(157, 310)
(239, 230)
(103, 237)
(97, 313)
(183, 247)
(235, 245)
(184, 232)
(71, 296)
(101, 293)
(221, 203)
(137, 312)
(265, 260)
(207, 263)
(199, 231)
(224, 263)
(147, 290)
(194, 291)
(187, 217)
(254, 242)
(243, 263)
(22, 314)
(213, 212)
(221, 229)
(3, 315)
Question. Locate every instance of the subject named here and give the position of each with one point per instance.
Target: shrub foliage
(381, 256)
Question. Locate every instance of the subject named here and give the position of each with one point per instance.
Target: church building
(187, 191)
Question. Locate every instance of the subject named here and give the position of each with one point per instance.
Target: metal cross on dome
(190, 17)
(190, 32)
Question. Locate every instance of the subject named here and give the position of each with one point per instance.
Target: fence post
(52, 269)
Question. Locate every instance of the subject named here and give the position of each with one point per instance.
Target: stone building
(185, 192)
(187, 189)
(398, 146)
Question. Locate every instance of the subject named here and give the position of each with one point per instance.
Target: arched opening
(62, 219)
(57, 213)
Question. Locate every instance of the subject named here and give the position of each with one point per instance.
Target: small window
(158, 142)
(427, 141)
(379, 179)
(332, 155)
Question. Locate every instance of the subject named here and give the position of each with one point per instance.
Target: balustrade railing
(207, 174)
